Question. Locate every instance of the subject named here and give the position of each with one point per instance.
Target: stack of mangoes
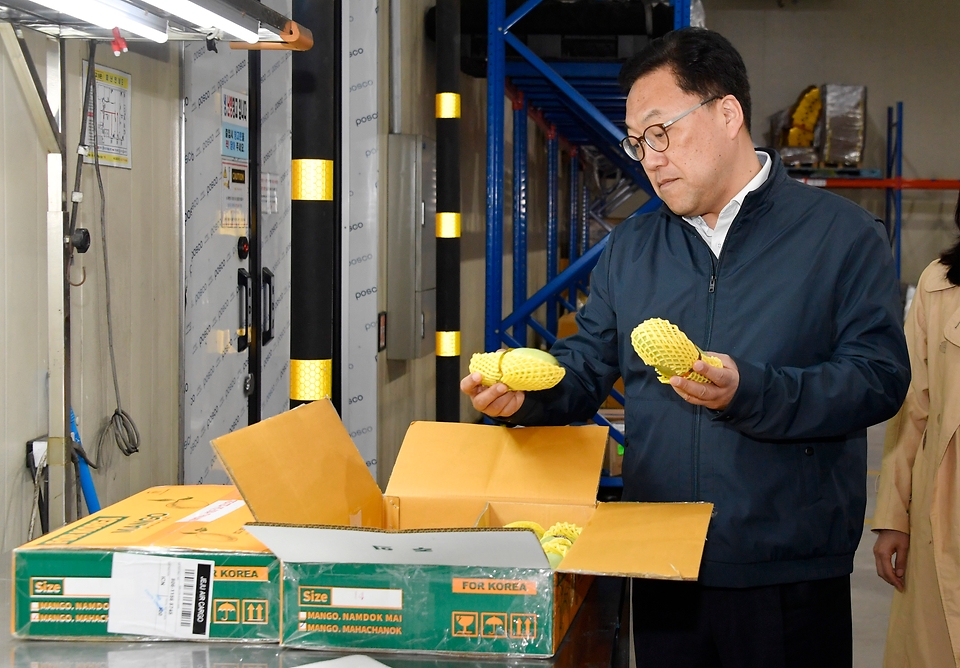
(555, 541)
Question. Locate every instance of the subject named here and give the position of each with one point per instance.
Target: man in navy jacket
(796, 290)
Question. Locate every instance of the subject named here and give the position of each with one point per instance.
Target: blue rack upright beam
(496, 59)
(574, 223)
(553, 221)
(519, 209)
(582, 103)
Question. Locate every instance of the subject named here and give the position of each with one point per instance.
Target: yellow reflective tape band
(448, 344)
(448, 225)
(311, 380)
(448, 105)
(312, 180)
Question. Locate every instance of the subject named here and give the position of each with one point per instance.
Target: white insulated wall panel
(359, 409)
(276, 70)
(214, 402)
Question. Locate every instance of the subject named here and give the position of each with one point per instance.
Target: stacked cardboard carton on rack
(826, 126)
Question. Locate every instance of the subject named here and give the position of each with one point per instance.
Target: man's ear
(732, 114)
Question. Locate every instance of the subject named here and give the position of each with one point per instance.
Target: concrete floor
(871, 605)
(871, 595)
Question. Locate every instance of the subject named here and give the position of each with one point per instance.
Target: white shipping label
(351, 597)
(214, 511)
(163, 597)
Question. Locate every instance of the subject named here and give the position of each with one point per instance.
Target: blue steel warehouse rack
(582, 103)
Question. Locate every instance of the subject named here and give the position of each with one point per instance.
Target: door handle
(267, 281)
(244, 284)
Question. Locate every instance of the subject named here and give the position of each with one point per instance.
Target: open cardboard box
(427, 565)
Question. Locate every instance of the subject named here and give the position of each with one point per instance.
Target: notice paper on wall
(112, 102)
(234, 119)
(162, 597)
(235, 195)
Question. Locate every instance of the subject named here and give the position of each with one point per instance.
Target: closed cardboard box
(170, 562)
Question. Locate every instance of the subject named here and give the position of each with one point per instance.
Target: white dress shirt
(716, 236)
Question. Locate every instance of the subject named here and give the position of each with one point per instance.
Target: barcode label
(186, 600)
(162, 597)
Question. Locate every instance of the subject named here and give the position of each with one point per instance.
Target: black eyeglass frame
(631, 149)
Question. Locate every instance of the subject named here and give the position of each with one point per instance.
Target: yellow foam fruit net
(663, 346)
(532, 526)
(526, 369)
(562, 530)
(555, 541)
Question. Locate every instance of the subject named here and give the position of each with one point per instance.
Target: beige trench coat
(919, 486)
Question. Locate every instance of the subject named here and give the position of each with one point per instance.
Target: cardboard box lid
(543, 464)
(301, 467)
(647, 540)
(194, 517)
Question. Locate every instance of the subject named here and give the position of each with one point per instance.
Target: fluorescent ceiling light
(110, 14)
(244, 27)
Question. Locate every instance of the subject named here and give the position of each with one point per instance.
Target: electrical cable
(76, 474)
(88, 93)
(37, 476)
(120, 428)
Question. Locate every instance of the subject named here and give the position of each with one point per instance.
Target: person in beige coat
(918, 501)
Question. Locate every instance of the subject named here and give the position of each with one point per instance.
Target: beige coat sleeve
(905, 431)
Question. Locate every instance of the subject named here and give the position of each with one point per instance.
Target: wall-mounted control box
(411, 246)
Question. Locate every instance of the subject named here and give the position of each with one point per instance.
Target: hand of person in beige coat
(890, 551)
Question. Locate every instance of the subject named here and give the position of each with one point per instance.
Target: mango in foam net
(527, 369)
(532, 526)
(556, 549)
(562, 530)
(663, 346)
(555, 541)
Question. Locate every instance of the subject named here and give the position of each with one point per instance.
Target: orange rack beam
(902, 184)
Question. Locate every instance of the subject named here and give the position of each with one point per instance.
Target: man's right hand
(890, 551)
(495, 401)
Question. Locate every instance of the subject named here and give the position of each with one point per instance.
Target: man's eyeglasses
(655, 136)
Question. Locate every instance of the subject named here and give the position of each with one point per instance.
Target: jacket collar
(754, 198)
(938, 279)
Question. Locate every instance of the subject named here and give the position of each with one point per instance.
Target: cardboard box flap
(196, 517)
(542, 464)
(301, 467)
(647, 540)
(487, 548)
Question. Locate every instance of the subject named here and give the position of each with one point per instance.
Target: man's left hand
(716, 396)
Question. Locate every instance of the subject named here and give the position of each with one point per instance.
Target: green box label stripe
(241, 609)
(444, 609)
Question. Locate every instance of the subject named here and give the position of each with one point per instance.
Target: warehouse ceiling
(24, 13)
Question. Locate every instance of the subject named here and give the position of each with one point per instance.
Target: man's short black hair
(704, 62)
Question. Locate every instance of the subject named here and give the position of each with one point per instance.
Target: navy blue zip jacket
(805, 299)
